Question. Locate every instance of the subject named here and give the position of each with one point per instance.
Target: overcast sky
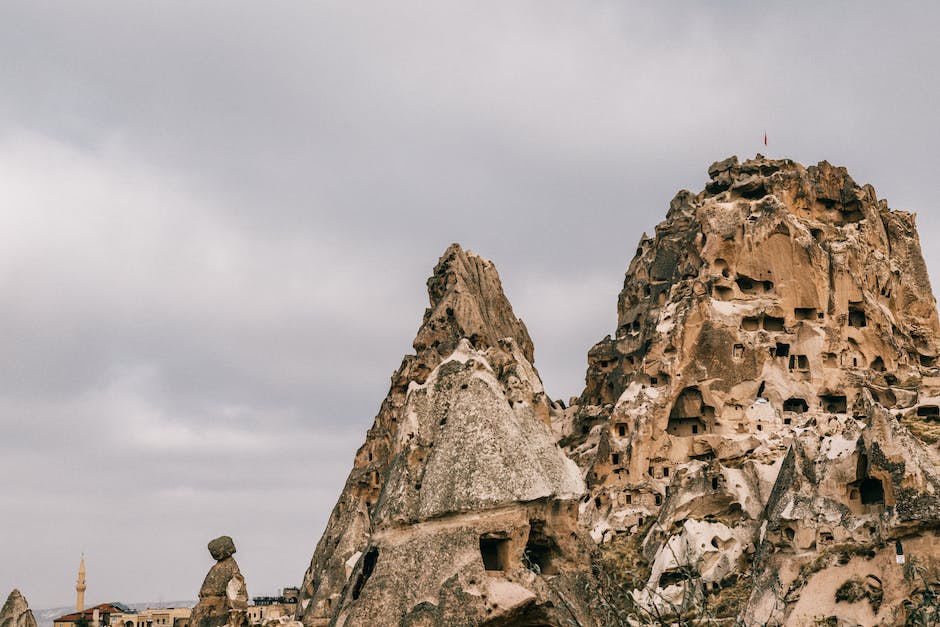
(217, 219)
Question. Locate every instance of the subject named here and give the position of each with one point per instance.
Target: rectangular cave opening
(772, 323)
(833, 403)
(799, 362)
(804, 313)
(541, 551)
(795, 404)
(857, 316)
(782, 350)
(872, 491)
(930, 412)
(495, 553)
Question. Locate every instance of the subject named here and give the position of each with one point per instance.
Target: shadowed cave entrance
(495, 553)
(368, 566)
(540, 550)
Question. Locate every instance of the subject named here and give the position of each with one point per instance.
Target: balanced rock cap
(221, 548)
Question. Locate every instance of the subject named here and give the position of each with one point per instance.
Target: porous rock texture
(764, 423)
(16, 612)
(461, 509)
(757, 444)
(223, 597)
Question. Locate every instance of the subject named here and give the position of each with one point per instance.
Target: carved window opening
(789, 533)
(721, 292)
(930, 412)
(782, 350)
(659, 499)
(665, 471)
(615, 458)
(799, 363)
(747, 285)
(928, 361)
(540, 549)
(773, 324)
(672, 578)
(688, 414)
(750, 323)
(872, 491)
(629, 499)
(714, 483)
(621, 430)
(878, 364)
(805, 313)
(495, 553)
(857, 317)
(737, 351)
(795, 404)
(368, 566)
(834, 404)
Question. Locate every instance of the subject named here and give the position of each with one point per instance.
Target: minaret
(80, 586)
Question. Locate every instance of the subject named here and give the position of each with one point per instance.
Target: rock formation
(764, 422)
(758, 442)
(223, 597)
(460, 509)
(16, 612)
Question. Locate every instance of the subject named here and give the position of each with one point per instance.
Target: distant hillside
(44, 618)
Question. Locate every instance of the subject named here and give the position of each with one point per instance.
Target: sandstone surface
(757, 443)
(223, 597)
(460, 509)
(16, 612)
(766, 409)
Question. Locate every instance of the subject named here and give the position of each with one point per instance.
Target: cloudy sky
(217, 218)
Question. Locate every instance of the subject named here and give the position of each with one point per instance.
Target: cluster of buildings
(261, 611)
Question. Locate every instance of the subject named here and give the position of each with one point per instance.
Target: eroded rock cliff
(757, 444)
(767, 407)
(460, 509)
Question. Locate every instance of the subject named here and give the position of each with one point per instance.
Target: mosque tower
(80, 586)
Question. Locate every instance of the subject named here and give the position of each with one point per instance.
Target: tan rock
(223, 597)
(16, 612)
(770, 337)
(461, 508)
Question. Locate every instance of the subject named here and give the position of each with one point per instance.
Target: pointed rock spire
(459, 478)
(16, 612)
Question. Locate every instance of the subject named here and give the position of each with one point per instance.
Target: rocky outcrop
(758, 443)
(460, 509)
(223, 597)
(16, 612)
(767, 404)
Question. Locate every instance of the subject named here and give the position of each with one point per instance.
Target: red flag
(765, 138)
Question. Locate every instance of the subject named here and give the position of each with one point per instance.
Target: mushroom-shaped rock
(223, 598)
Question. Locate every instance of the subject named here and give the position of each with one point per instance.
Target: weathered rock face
(760, 439)
(16, 612)
(223, 598)
(460, 509)
(765, 421)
